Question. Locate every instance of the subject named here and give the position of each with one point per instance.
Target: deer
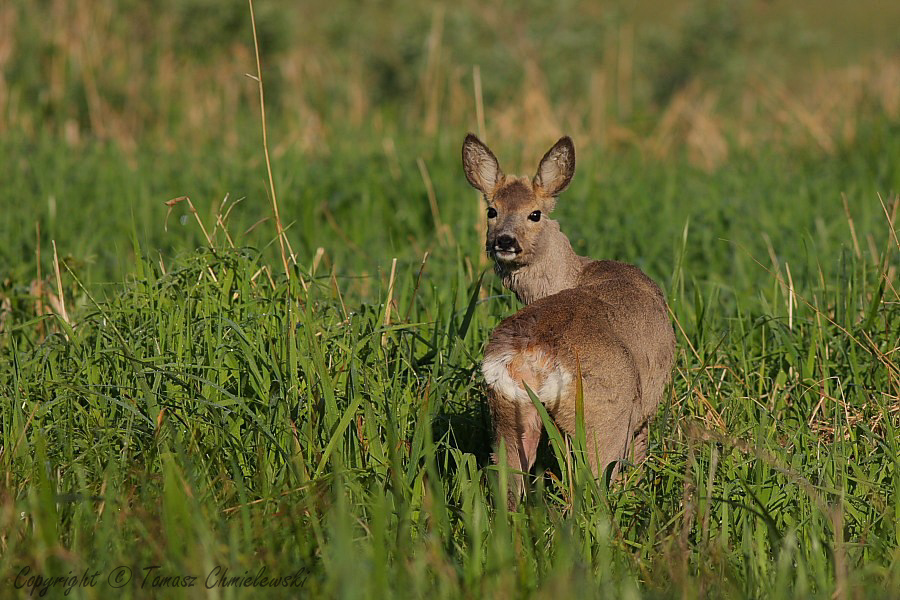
(602, 321)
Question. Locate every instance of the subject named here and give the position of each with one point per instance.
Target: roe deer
(605, 319)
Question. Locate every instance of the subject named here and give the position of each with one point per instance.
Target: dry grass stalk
(61, 305)
(388, 303)
(5, 312)
(479, 101)
(431, 82)
(279, 229)
(443, 231)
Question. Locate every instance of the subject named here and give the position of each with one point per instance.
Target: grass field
(183, 416)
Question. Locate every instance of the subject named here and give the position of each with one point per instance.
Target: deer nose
(505, 243)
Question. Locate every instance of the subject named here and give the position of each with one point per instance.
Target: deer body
(605, 319)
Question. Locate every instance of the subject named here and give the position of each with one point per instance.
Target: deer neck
(554, 267)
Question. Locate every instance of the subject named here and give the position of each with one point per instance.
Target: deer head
(517, 207)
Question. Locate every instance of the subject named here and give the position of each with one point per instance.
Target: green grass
(203, 418)
(202, 411)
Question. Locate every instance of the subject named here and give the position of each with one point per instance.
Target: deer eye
(492, 213)
(535, 216)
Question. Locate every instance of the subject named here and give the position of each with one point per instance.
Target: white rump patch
(496, 374)
(544, 375)
(554, 387)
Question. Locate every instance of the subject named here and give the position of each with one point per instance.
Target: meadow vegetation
(176, 391)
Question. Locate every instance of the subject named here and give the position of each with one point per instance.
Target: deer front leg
(518, 426)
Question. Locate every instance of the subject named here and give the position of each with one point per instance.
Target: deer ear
(557, 167)
(480, 164)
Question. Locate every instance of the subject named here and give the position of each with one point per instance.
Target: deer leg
(609, 423)
(519, 427)
(641, 442)
(608, 440)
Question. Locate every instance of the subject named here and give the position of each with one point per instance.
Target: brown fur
(606, 317)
